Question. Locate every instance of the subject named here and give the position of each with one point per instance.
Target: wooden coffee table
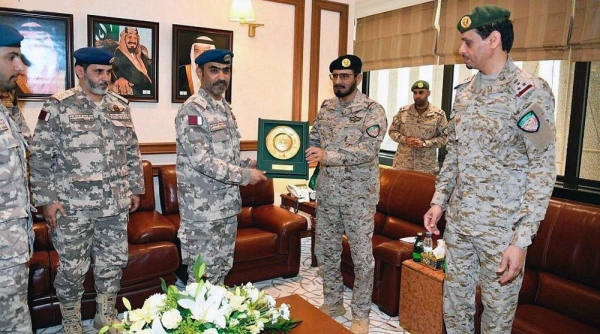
(313, 319)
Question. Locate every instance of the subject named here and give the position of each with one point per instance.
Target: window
(590, 155)
(391, 88)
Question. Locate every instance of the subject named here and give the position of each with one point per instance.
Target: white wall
(262, 71)
(262, 77)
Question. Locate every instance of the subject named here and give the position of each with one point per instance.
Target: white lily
(207, 306)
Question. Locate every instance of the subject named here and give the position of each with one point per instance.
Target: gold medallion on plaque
(283, 142)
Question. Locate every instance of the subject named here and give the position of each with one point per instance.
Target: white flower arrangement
(206, 308)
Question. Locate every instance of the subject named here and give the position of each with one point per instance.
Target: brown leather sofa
(561, 287)
(268, 237)
(152, 255)
(404, 199)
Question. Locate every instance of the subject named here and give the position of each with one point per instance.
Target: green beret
(420, 84)
(95, 56)
(481, 16)
(221, 56)
(346, 62)
(9, 36)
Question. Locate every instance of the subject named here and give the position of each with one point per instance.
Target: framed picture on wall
(135, 46)
(46, 50)
(189, 43)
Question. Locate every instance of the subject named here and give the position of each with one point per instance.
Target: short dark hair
(84, 65)
(505, 28)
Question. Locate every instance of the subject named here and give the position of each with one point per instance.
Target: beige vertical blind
(541, 28)
(585, 40)
(400, 38)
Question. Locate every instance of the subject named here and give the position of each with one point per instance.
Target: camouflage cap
(420, 84)
(482, 15)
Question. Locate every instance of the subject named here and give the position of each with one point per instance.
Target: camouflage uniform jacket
(209, 167)
(350, 136)
(499, 171)
(430, 127)
(9, 99)
(15, 233)
(86, 155)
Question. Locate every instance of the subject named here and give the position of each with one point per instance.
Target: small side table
(291, 202)
(421, 298)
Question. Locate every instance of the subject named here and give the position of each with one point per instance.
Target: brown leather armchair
(268, 237)
(152, 255)
(561, 286)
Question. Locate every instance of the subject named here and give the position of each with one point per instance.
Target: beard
(421, 103)
(217, 88)
(95, 87)
(339, 91)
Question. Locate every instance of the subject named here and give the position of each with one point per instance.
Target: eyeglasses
(342, 76)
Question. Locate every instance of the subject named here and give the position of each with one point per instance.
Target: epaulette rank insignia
(63, 95)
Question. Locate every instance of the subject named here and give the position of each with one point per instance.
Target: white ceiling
(371, 7)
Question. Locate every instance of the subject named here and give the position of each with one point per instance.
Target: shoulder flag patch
(194, 120)
(529, 122)
(373, 130)
(44, 115)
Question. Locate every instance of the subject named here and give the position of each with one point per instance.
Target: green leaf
(127, 303)
(199, 268)
(104, 330)
(163, 285)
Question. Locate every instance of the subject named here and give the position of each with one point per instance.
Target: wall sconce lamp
(242, 11)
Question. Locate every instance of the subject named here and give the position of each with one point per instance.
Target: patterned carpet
(308, 284)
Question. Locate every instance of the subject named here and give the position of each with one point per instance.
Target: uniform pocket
(85, 192)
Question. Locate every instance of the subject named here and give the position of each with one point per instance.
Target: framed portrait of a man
(188, 44)
(46, 51)
(135, 46)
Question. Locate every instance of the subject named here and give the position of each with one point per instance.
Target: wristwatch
(423, 143)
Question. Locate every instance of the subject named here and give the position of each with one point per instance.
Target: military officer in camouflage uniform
(497, 178)
(16, 234)
(210, 170)
(86, 174)
(419, 129)
(345, 140)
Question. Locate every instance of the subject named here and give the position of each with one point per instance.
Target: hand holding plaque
(279, 143)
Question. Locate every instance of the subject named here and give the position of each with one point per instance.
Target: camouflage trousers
(214, 241)
(14, 311)
(75, 240)
(357, 222)
(471, 261)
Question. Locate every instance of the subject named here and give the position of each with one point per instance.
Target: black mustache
(339, 86)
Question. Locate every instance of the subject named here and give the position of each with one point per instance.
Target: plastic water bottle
(427, 243)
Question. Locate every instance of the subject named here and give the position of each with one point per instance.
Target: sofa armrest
(42, 241)
(529, 288)
(393, 252)
(279, 221)
(149, 226)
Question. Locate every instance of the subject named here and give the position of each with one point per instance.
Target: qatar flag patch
(529, 122)
(44, 115)
(194, 120)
